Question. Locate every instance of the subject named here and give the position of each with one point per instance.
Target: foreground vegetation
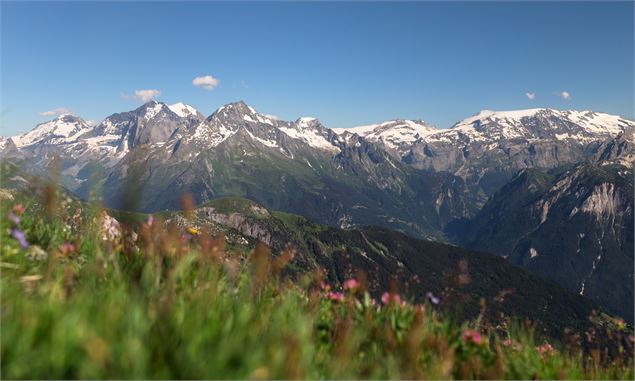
(84, 298)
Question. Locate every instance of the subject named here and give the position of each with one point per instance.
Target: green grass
(166, 307)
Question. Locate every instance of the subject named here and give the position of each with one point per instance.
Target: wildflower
(351, 284)
(325, 286)
(150, 220)
(66, 249)
(388, 298)
(507, 343)
(19, 236)
(192, 231)
(471, 336)
(15, 220)
(335, 296)
(18, 209)
(434, 300)
(545, 350)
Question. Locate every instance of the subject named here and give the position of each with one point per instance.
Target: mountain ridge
(422, 185)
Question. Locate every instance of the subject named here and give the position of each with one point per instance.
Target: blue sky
(345, 63)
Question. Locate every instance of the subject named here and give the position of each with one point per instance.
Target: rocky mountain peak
(151, 109)
(234, 109)
(63, 129)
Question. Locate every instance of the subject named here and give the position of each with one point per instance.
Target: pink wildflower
(388, 298)
(335, 296)
(18, 209)
(66, 249)
(471, 336)
(351, 284)
(325, 286)
(545, 350)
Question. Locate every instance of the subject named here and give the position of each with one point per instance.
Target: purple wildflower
(18, 235)
(15, 220)
(432, 299)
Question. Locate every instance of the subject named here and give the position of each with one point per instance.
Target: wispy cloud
(244, 84)
(564, 94)
(144, 95)
(57, 111)
(206, 81)
(531, 96)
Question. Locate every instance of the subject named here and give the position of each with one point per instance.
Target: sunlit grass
(157, 302)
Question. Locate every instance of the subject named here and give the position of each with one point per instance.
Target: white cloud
(57, 111)
(564, 94)
(531, 96)
(207, 82)
(144, 95)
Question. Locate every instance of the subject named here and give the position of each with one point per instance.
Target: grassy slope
(174, 308)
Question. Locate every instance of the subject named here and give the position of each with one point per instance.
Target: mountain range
(549, 190)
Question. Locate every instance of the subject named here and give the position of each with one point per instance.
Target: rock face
(574, 227)
(82, 150)
(401, 174)
(299, 167)
(486, 150)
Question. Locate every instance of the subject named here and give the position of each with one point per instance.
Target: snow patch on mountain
(211, 136)
(65, 128)
(531, 124)
(267, 142)
(309, 130)
(393, 133)
(153, 109)
(183, 110)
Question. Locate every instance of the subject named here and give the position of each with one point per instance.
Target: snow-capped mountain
(154, 122)
(487, 149)
(82, 145)
(484, 151)
(237, 117)
(66, 128)
(404, 175)
(534, 124)
(398, 135)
